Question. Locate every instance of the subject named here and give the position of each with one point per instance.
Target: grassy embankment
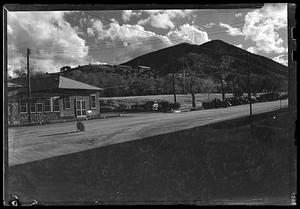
(223, 160)
(185, 100)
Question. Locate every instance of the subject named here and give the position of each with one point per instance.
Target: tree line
(190, 74)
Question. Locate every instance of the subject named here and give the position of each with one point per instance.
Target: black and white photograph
(149, 104)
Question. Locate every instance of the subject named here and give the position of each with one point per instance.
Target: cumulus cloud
(238, 14)
(127, 14)
(209, 25)
(90, 32)
(262, 25)
(282, 59)
(163, 18)
(135, 38)
(252, 49)
(140, 41)
(47, 33)
(127, 33)
(239, 45)
(96, 27)
(232, 31)
(188, 33)
(171, 12)
(158, 21)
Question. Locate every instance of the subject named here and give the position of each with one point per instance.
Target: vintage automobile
(215, 103)
(253, 99)
(234, 101)
(272, 96)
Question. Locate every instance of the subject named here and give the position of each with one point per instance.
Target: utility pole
(249, 88)
(174, 90)
(183, 77)
(280, 103)
(28, 88)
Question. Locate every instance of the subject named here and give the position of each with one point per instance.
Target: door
(80, 108)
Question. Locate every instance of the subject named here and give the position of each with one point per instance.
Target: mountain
(136, 78)
(209, 53)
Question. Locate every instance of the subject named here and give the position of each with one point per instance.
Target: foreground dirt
(27, 144)
(214, 164)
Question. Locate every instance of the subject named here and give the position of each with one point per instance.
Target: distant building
(123, 66)
(143, 67)
(55, 97)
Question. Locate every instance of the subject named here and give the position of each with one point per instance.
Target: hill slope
(266, 74)
(211, 53)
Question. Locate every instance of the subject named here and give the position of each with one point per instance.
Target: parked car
(234, 101)
(149, 105)
(253, 99)
(174, 106)
(269, 97)
(139, 107)
(283, 96)
(215, 103)
(208, 105)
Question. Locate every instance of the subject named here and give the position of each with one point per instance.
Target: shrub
(174, 106)
(80, 126)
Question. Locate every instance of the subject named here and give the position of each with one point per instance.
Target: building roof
(58, 82)
(55, 84)
(67, 83)
(144, 67)
(13, 85)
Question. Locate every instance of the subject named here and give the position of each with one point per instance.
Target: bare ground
(214, 164)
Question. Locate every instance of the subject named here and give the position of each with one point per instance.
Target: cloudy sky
(73, 38)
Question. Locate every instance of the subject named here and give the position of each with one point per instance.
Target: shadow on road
(191, 166)
(69, 132)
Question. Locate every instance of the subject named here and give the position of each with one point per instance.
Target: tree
(65, 68)
(20, 72)
(194, 69)
(222, 72)
(207, 86)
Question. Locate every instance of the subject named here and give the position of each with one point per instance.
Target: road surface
(31, 143)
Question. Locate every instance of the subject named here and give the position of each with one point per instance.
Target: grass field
(227, 160)
(185, 100)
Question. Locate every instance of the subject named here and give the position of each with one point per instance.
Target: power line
(39, 51)
(213, 32)
(102, 18)
(121, 45)
(137, 44)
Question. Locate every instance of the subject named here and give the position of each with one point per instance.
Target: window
(93, 101)
(47, 105)
(83, 108)
(39, 107)
(23, 106)
(32, 107)
(67, 103)
(55, 105)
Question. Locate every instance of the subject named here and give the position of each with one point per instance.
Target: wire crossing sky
(72, 38)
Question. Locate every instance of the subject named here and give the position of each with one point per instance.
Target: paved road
(28, 144)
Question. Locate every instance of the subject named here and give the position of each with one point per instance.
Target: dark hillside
(195, 67)
(211, 55)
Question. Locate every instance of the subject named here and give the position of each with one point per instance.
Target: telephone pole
(249, 88)
(183, 76)
(28, 87)
(174, 90)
